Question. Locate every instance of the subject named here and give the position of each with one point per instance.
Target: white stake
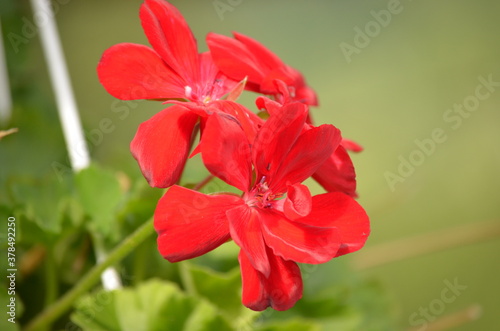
(68, 112)
(5, 97)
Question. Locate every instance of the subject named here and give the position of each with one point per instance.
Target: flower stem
(204, 182)
(186, 278)
(454, 320)
(51, 282)
(51, 313)
(406, 248)
(109, 277)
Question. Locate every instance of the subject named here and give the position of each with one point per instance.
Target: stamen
(189, 91)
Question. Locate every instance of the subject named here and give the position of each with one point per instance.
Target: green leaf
(338, 299)
(152, 306)
(43, 201)
(139, 204)
(209, 284)
(100, 194)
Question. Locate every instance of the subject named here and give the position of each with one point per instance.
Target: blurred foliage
(162, 305)
(396, 90)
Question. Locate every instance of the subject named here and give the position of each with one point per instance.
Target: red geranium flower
(245, 57)
(171, 70)
(337, 173)
(276, 222)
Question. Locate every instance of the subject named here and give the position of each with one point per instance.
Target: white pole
(5, 97)
(68, 112)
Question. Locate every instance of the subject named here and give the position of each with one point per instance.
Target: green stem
(204, 182)
(51, 279)
(186, 278)
(51, 284)
(51, 313)
(140, 264)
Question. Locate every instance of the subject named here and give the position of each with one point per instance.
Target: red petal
(213, 82)
(343, 213)
(208, 69)
(280, 73)
(351, 145)
(281, 290)
(253, 294)
(277, 69)
(299, 242)
(161, 145)
(271, 106)
(245, 229)
(226, 151)
(131, 72)
(247, 119)
(306, 95)
(264, 56)
(298, 202)
(190, 224)
(337, 173)
(308, 153)
(171, 37)
(234, 59)
(276, 137)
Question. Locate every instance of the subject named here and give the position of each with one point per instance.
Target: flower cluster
(275, 221)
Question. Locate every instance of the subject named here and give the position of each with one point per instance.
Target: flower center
(261, 196)
(205, 94)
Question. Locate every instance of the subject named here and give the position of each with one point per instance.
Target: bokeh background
(386, 90)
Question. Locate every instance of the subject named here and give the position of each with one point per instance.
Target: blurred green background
(394, 85)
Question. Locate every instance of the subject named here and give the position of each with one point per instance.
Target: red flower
(245, 57)
(337, 173)
(276, 222)
(173, 69)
